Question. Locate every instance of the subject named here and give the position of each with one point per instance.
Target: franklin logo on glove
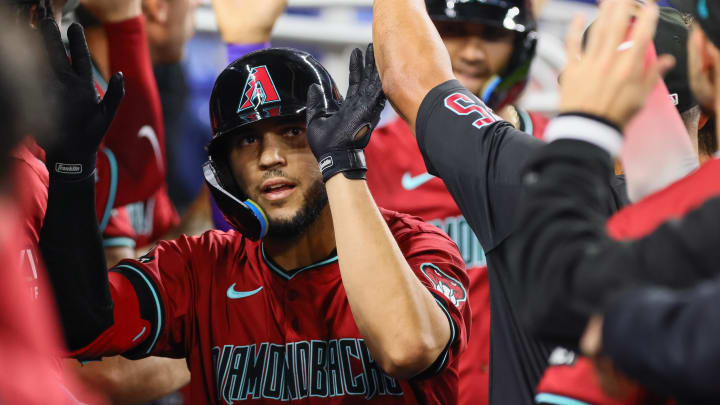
(68, 168)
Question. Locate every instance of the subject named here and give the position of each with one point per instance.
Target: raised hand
(247, 21)
(84, 117)
(338, 134)
(610, 79)
(109, 11)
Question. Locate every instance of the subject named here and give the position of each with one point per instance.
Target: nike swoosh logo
(233, 295)
(411, 183)
(148, 132)
(142, 332)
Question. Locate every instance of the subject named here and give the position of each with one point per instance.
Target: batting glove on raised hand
(84, 116)
(337, 134)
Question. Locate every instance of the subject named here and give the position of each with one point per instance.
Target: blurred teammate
(657, 336)
(573, 377)
(30, 341)
(492, 60)
(82, 119)
(302, 312)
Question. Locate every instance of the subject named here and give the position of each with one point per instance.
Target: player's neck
(313, 246)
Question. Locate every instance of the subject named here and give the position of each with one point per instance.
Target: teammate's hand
(110, 11)
(338, 134)
(609, 79)
(84, 117)
(246, 21)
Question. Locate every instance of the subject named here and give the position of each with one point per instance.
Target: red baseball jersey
(30, 341)
(253, 331)
(398, 180)
(140, 224)
(575, 378)
(31, 175)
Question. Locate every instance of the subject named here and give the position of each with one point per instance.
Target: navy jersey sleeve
(477, 155)
(568, 265)
(668, 340)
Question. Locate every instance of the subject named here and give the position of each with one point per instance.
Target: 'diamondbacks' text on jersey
(254, 332)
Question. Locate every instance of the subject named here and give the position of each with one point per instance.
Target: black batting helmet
(261, 85)
(512, 15)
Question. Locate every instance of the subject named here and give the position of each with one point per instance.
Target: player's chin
(472, 83)
(282, 211)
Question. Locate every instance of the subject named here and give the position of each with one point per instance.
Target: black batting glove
(337, 134)
(84, 116)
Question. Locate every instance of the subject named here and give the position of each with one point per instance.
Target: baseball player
(479, 157)
(492, 61)
(30, 341)
(320, 298)
(68, 88)
(654, 334)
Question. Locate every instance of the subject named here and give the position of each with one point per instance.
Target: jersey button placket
(292, 308)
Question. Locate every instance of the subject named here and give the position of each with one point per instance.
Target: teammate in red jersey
(340, 302)
(485, 55)
(31, 345)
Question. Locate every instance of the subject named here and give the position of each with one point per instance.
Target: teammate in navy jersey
(321, 298)
(491, 60)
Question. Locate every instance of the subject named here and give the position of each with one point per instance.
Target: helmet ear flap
(242, 213)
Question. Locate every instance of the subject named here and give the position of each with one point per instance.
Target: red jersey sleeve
(436, 262)
(163, 281)
(136, 136)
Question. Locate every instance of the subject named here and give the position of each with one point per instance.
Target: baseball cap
(706, 13)
(671, 38)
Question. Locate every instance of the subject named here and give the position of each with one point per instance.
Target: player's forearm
(71, 246)
(409, 53)
(126, 381)
(402, 324)
(137, 135)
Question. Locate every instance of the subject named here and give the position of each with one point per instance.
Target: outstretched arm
(410, 55)
(403, 325)
(69, 239)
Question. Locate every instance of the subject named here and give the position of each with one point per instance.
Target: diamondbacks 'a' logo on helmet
(259, 89)
(444, 284)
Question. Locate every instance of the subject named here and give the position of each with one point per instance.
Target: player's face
(699, 68)
(274, 165)
(477, 51)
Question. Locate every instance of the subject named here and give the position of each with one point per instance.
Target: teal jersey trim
(703, 9)
(545, 398)
(157, 303)
(453, 332)
(119, 242)
(98, 77)
(113, 188)
(289, 274)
